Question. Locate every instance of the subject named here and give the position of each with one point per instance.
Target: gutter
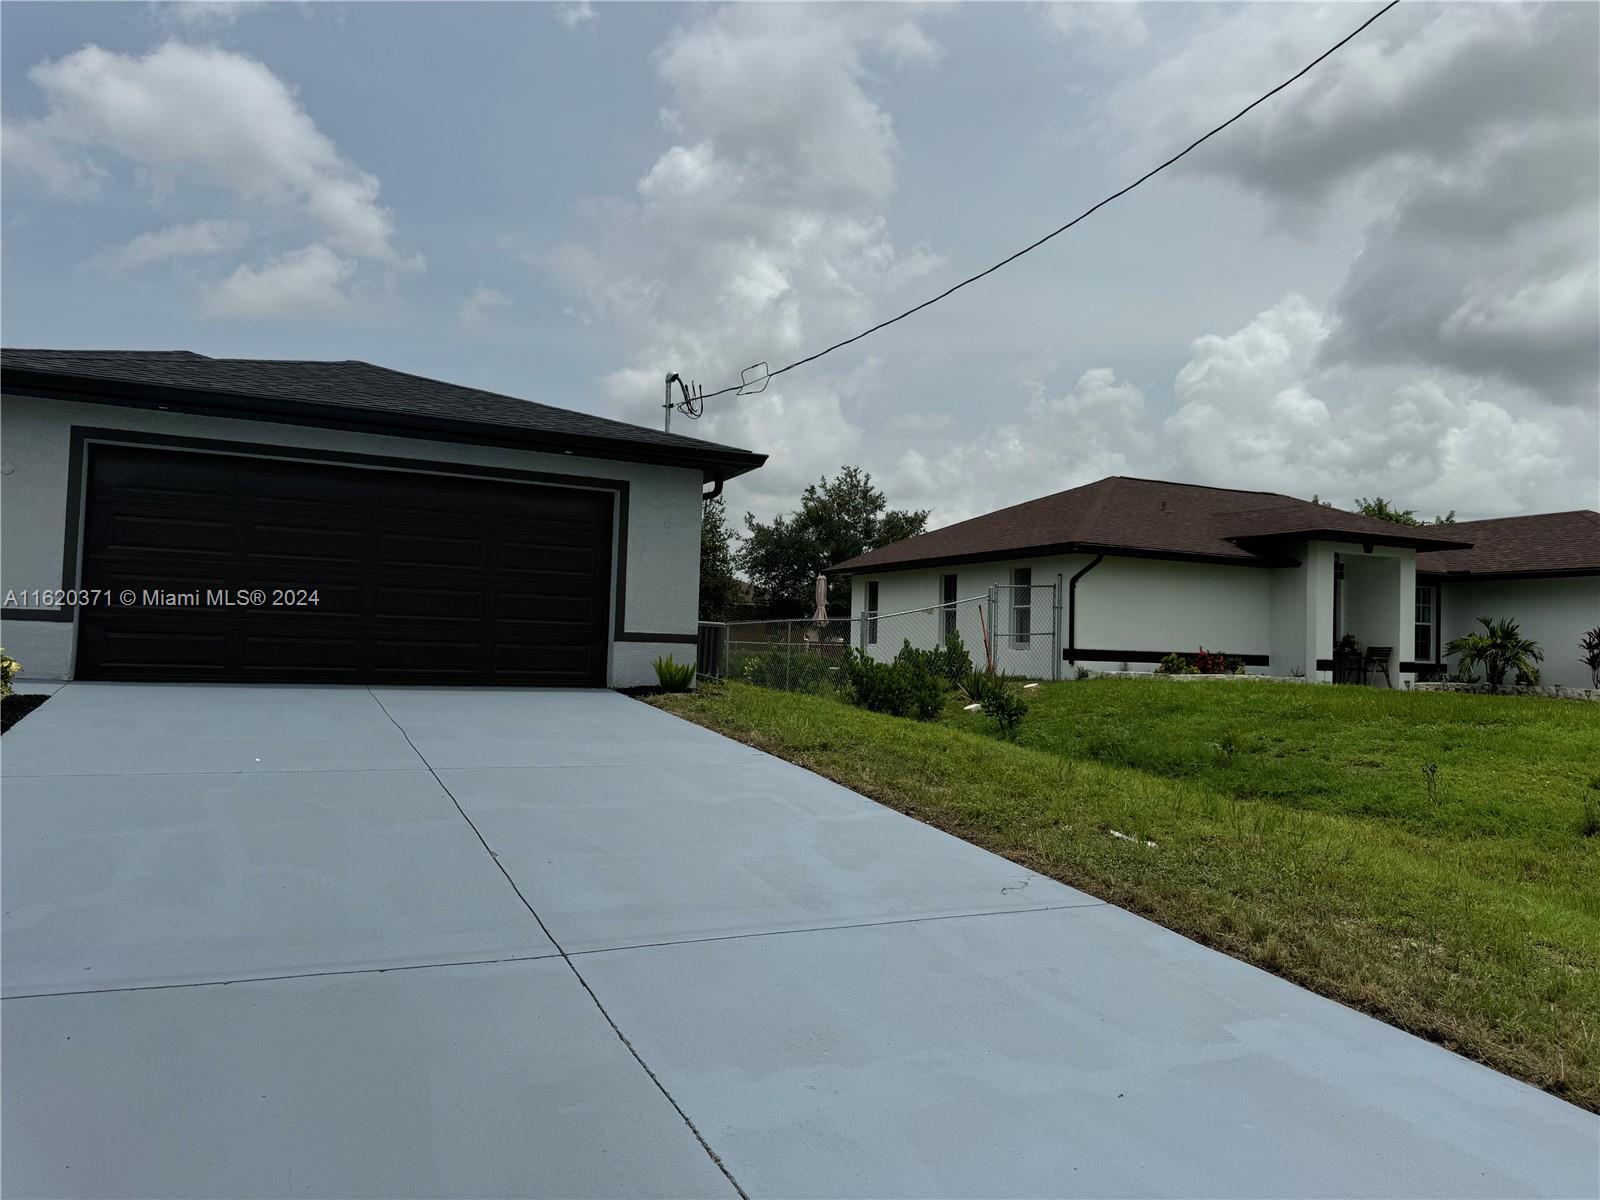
(1072, 607)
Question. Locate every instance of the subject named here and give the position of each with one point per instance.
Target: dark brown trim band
(63, 615)
(1153, 656)
(1324, 664)
(1498, 576)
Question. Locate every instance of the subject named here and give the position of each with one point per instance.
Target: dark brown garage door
(418, 578)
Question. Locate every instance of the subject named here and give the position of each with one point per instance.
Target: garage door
(417, 578)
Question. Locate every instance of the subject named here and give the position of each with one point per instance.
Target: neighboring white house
(1146, 568)
(450, 535)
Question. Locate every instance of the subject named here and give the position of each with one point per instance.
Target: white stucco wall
(1159, 605)
(1553, 612)
(1124, 604)
(663, 551)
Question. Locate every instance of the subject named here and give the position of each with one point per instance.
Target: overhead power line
(699, 398)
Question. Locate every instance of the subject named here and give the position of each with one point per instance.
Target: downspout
(716, 490)
(1072, 608)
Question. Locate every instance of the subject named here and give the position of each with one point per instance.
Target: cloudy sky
(1385, 281)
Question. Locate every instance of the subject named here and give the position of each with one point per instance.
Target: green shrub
(1006, 709)
(674, 676)
(957, 661)
(1177, 664)
(8, 671)
(910, 686)
(797, 668)
(977, 686)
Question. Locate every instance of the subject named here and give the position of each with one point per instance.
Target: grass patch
(1294, 827)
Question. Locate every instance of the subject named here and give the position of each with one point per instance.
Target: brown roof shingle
(1150, 517)
(1564, 543)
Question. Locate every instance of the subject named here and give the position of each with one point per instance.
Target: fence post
(1055, 639)
(994, 631)
(788, 651)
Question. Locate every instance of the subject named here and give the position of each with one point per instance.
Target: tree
(1498, 649)
(719, 586)
(837, 519)
(1380, 509)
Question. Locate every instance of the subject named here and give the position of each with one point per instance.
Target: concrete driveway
(332, 941)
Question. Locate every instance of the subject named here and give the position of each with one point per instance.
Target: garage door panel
(428, 578)
(439, 604)
(144, 533)
(514, 658)
(544, 609)
(147, 648)
(306, 543)
(398, 549)
(548, 559)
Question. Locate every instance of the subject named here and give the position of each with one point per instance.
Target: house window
(872, 612)
(947, 597)
(1021, 604)
(1427, 623)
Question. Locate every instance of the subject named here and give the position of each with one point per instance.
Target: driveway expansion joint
(202, 983)
(571, 966)
(766, 933)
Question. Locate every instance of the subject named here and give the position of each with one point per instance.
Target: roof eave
(855, 566)
(1345, 535)
(90, 389)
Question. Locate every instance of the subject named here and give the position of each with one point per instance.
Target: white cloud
(1466, 131)
(1112, 23)
(29, 151)
(922, 422)
(1261, 408)
(575, 14)
(198, 239)
(204, 16)
(477, 305)
(759, 230)
(305, 282)
(1060, 440)
(192, 115)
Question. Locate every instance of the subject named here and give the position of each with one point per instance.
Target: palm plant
(1498, 649)
(1590, 645)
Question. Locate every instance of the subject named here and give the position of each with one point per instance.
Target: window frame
(947, 611)
(1021, 610)
(870, 613)
(1429, 593)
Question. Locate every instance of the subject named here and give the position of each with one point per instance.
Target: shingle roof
(1544, 543)
(353, 388)
(1124, 515)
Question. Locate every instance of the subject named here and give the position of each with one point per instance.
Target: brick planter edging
(1507, 689)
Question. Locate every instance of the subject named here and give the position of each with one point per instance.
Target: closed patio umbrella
(819, 615)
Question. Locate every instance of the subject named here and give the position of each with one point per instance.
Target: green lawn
(1294, 826)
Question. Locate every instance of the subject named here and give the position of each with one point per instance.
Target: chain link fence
(1015, 629)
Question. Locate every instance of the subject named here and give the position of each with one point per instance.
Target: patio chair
(1377, 659)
